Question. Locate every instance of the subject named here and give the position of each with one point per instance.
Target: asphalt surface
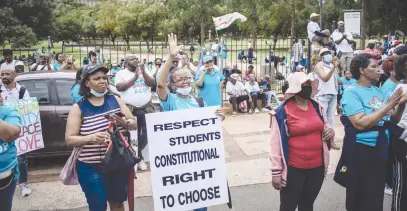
(263, 197)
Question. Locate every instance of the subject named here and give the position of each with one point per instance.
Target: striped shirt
(94, 121)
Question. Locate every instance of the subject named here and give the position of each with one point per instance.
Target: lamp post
(321, 3)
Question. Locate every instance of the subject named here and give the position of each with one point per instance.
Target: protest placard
(30, 138)
(187, 159)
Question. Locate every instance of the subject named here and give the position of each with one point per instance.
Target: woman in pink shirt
(373, 51)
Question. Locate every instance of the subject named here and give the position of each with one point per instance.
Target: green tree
(106, 20)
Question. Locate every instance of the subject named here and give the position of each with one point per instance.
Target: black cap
(89, 69)
(400, 50)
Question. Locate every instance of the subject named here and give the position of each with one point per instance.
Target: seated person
(241, 56)
(253, 87)
(237, 93)
(265, 87)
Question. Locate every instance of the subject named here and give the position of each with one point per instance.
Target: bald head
(132, 61)
(8, 76)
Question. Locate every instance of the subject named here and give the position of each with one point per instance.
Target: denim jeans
(328, 103)
(23, 166)
(272, 95)
(6, 196)
(201, 209)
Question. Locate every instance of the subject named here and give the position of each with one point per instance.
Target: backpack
(20, 93)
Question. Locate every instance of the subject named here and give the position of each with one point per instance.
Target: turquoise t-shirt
(175, 103)
(75, 93)
(56, 66)
(346, 83)
(8, 150)
(388, 87)
(357, 99)
(210, 90)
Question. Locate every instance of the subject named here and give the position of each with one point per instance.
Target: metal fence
(271, 56)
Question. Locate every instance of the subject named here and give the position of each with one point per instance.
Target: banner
(31, 131)
(187, 159)
(352, 22)
(225, 21)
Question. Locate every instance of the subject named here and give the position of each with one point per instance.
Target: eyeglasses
(184, 79)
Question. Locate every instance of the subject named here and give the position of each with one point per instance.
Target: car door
(64, 105)
(40, 89)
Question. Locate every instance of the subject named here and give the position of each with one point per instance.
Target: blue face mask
(184, 91)
(97, 94)
(328, 58)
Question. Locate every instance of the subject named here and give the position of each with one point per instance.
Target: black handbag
(120, 156)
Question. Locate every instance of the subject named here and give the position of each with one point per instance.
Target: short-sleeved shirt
(210, 89)
(8, 150)
(357, 99)
(236, 89)
(346, 83)
(344, 46)
(76, 97)
(403, 121)
(174, 103)
(56, 66)
(8, 66)
(137, 95)
(311, 28)
(13, 94)
(388, 87)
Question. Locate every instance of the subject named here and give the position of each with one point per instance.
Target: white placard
(352, 22)
(30, 138)
(187, 159)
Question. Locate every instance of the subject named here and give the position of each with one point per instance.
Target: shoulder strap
(1, 89)
(200, 101)
(21, 92)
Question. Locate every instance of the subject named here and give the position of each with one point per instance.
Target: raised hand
(172, 42)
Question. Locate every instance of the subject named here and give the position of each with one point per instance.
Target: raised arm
(319, 70)
(162, 89)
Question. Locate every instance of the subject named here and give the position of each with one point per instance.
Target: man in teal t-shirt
(10, 123)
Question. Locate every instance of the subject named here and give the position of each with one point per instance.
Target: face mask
(97, 94)
(305, 92)
(184, 91)
(328, 58)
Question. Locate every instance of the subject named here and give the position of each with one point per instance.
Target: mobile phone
(120, 114)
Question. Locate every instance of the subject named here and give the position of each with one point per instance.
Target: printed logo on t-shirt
(140, 86)
(377, 104)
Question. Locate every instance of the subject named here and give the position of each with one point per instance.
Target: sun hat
(324, 50)
(313, 15)
(207, 59)
(300, 67)
(294, 84)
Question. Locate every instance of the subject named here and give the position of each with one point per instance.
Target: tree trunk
(202, 33)
(365, 22)
(127, 39)
(293, 19)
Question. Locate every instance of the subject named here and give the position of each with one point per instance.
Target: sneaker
(142, 166)
(234, 114)
(250, 111)
(265, 109)
(388, 191)
(269, 108)
(256, 110)
(25, 190)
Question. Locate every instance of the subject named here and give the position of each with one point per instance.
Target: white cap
(341, 22)
(324, 50)
(19, 63)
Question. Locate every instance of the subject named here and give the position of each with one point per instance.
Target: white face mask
(184, 91)
(97, 94)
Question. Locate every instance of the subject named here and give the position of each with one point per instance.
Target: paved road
(262, 197)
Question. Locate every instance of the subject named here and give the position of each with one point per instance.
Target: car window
(38, 89)
(64, 91)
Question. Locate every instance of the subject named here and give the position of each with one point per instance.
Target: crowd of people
(368, 89)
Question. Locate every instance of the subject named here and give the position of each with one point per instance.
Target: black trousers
(400, 186)
(370, 172)
(236, 100)
(255, 97)
(141, 131)
(303, 186)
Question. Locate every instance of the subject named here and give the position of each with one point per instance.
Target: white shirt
(252, 86)
(14, 93)
(331, 86)
(235, 89)
(41, 67)
(215, 49)
(403, 121)
(344, 46)
(10, 66)
(137, 95)
(311, 28)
